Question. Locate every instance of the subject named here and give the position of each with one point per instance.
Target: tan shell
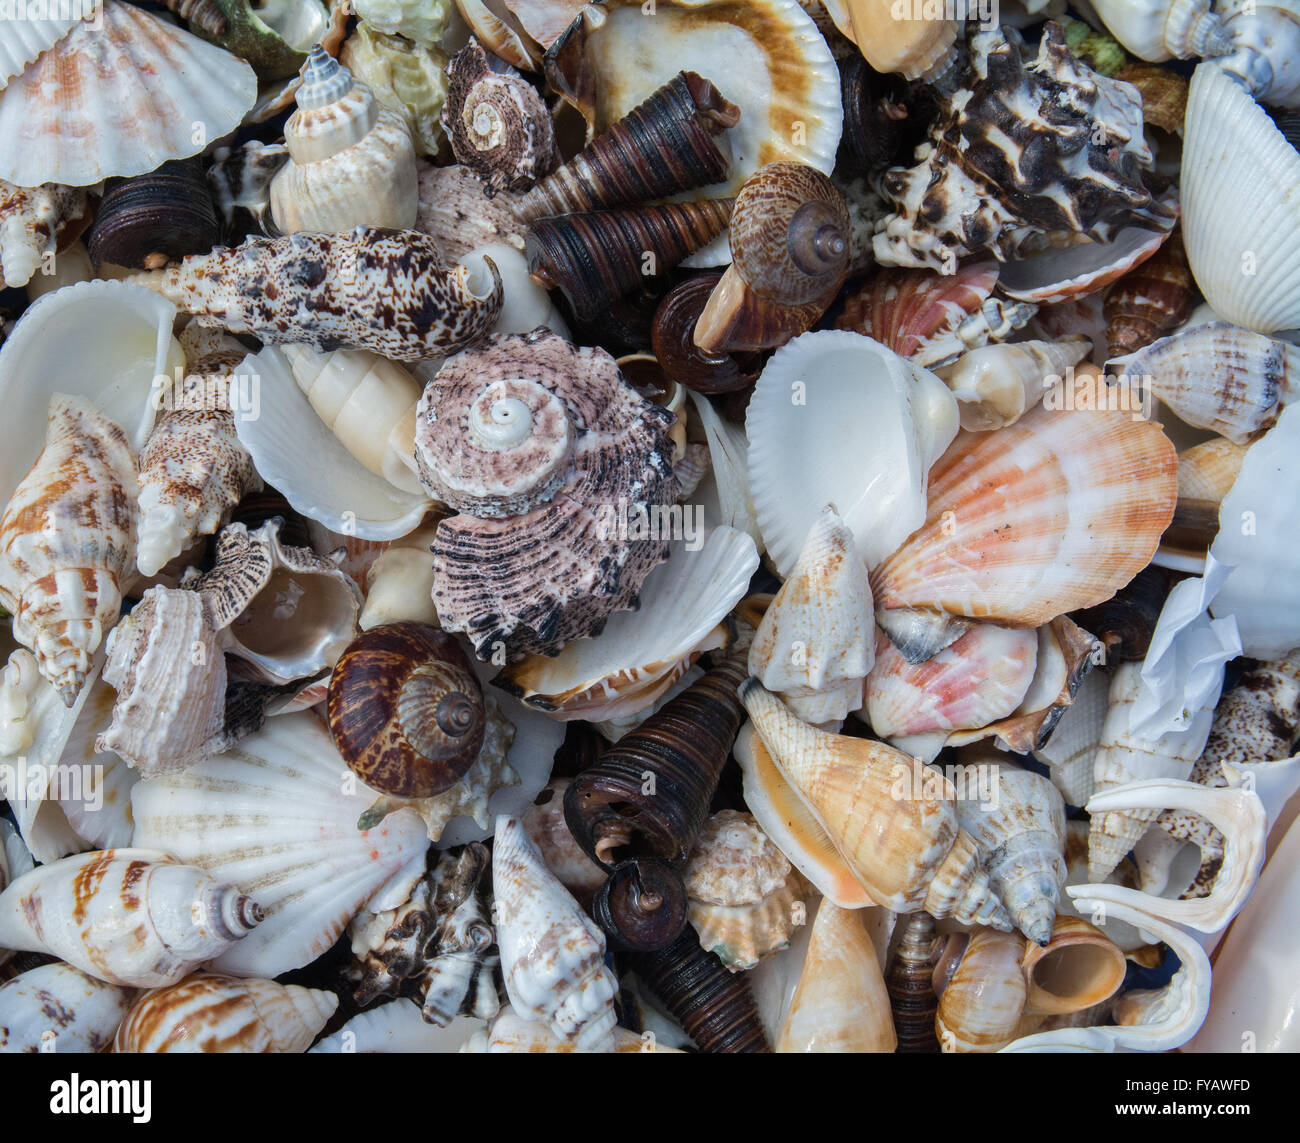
(916, 48)
(981, 1006)
(1079, 967)
(544, 823)
(31, 220)
(457, 214)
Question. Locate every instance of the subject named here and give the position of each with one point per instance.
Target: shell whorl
(324, 81)
(910, 985)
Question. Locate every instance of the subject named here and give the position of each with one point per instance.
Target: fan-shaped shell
(59, 1008)
(26, 39)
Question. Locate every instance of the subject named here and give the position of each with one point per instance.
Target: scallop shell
(997, 384)
(132, 917)
(839, 382)
(27, 39)
(57, 1008)
(98, 808)
(552, 955)
(729, 468)
(1244, 259)
(279, 815)
(455, 212)
(1045, 516)
(31, 221)
(406, 77)
(640, 654)
(118, 97)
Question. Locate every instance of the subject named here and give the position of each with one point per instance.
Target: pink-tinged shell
(546, 828)
(976, 680)
(933, 318)
(457, 214)
(1046, 516)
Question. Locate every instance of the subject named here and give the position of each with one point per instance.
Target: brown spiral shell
(596, 257)
(663, 146)
(649, 794)
(1126, 621)
(1150, 300)
(716, 1007)
(406, 710)
(672, 337)
(876, 120)
(910, 985)
(146, 222)
(642, 905)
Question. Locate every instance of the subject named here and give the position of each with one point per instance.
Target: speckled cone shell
(170, 676)
(547, 453)
(1048, 515)
(193, 470)
(552, 953)
(891, 819)
(980, 1009)
(320, 290)
(67, 542)
(126, 916)
(58, 1007)
(31, 219)
(213, 1013)
(840, 1004)
(1021, 835)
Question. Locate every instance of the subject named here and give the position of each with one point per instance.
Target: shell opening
(1075, 971)
(488, 127)
(614, 834)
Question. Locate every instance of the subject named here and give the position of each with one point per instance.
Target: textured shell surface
(407, 78)
(1151, 300)
(544, 823)
(552, 954)
(215, 1013)
(423, 23)
(118, 97)
(457, 214)
(996, 384)
(1265, 42)
(59, 1008)
(132, 917)
(1158, 30)
(31, 220)
(398, 1027)
(278, 814)
(856, 391)
(27, 39)
(1070, 750)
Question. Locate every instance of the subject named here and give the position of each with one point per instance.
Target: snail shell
(147, 221)
(910, 987)
(406, 710)
(673, 338)
(1150, 300)
(31, 222)
(642, 905)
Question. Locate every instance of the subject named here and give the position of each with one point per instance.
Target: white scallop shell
(57, 1008)
(26, 38)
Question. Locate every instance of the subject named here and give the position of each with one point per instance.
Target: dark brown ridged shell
(406, 710)
(716, 1007)
(596, 257)
(663, 146)
(148, 221)
(256, 508)
(682, 748)
(1126, 621)
(642, 905)
(1150, 300)
(673, 339)
(910, 987)
(876, 120)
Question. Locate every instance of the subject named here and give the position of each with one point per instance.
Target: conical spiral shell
(663, 146)
(126, 916)
(910, 985)
(31, 220)
(213, 1013)
(67, 542)
(1150, 300)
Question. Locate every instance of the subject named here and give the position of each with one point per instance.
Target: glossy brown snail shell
(642, 905)
(911, 990)
(672, 337)
(649, 794)
(148, 221)
(1126, 621)
(406, 710)
(595, 257)
(662, 146)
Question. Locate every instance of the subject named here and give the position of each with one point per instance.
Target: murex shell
(546, 452)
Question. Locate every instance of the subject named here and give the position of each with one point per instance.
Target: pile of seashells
(721, 525)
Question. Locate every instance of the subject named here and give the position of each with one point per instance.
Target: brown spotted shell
(406, 710)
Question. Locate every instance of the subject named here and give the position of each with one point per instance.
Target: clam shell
(57, 1008)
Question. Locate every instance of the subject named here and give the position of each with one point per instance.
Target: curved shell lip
(335, 488)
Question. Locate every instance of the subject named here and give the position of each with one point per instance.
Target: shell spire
(910, 985)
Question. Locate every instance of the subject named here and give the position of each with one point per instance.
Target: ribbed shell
(59, 1008)
(459, 217)
(213, 1013)
(544, 823)
(1151, 299)
(672, 337)
(909, 984)
(31, 220)
(147, 220)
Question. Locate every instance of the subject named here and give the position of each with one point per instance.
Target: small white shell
(1157, 30)
(397, 1027)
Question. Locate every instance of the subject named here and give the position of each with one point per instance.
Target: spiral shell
(406, 710)
(1150, 300)
(1077, 968)
(32, 219)
(641, 905)
(406, 77)
(58, 1008)
(982, 1003)
(1125, 622)
(1157, 30)
(146, 221)
(910, 986)
(672, 337)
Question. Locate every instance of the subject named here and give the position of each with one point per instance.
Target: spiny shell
(31, 221)
(67, 542)
(59, 1008)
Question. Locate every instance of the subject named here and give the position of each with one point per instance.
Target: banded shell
(59, 1008)
(146, 220)
(981, 1005)
(1150, 300)
(672, 336)
(32, 220)
(910, 985)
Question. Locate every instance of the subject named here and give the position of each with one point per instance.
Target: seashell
(615, 811)
(67, 542)
(790, 255)
(277, 813)
(546, 828)
(546, 422)
(397, 1027)
(254, 597)
(815, 645)
(497, 123)
(640, 654)
(597, 257)
(134, 917)
(1021, 834)
(527, 305)
(1070, 751)
(851, 786)
(14, 858)
(982, 1004)
(510, 1032)
(841, 1004)
(1125, 622)
(193, 469)
(716, 1007)
(399, 583)
(458, 215)
(729, 465)
(322, 284)
(877, 114)
(920, 48)
(920, 634)
(962, 561)
(672, 337)
(797, 465)
(129, 89)
(32, 225)
(931, 318)
(971, 191)
(351, 160)
(422, 23)
(437, 946)
(641, 905)
(910, 987)
(212, 1012)
(274, 37)
(552, 955)
(170, 676)
(57, 1008)
(406, 77)
(744, 898)
(545, 20)
(1157, 30)
(1228, 141)
(1164, 102)
(406, 711)
(1078, 968)
(997, 384)
(500, 31)
(144, 222)
(1206, 474)
(1264, 41)
(27, 38)
(240, 181)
